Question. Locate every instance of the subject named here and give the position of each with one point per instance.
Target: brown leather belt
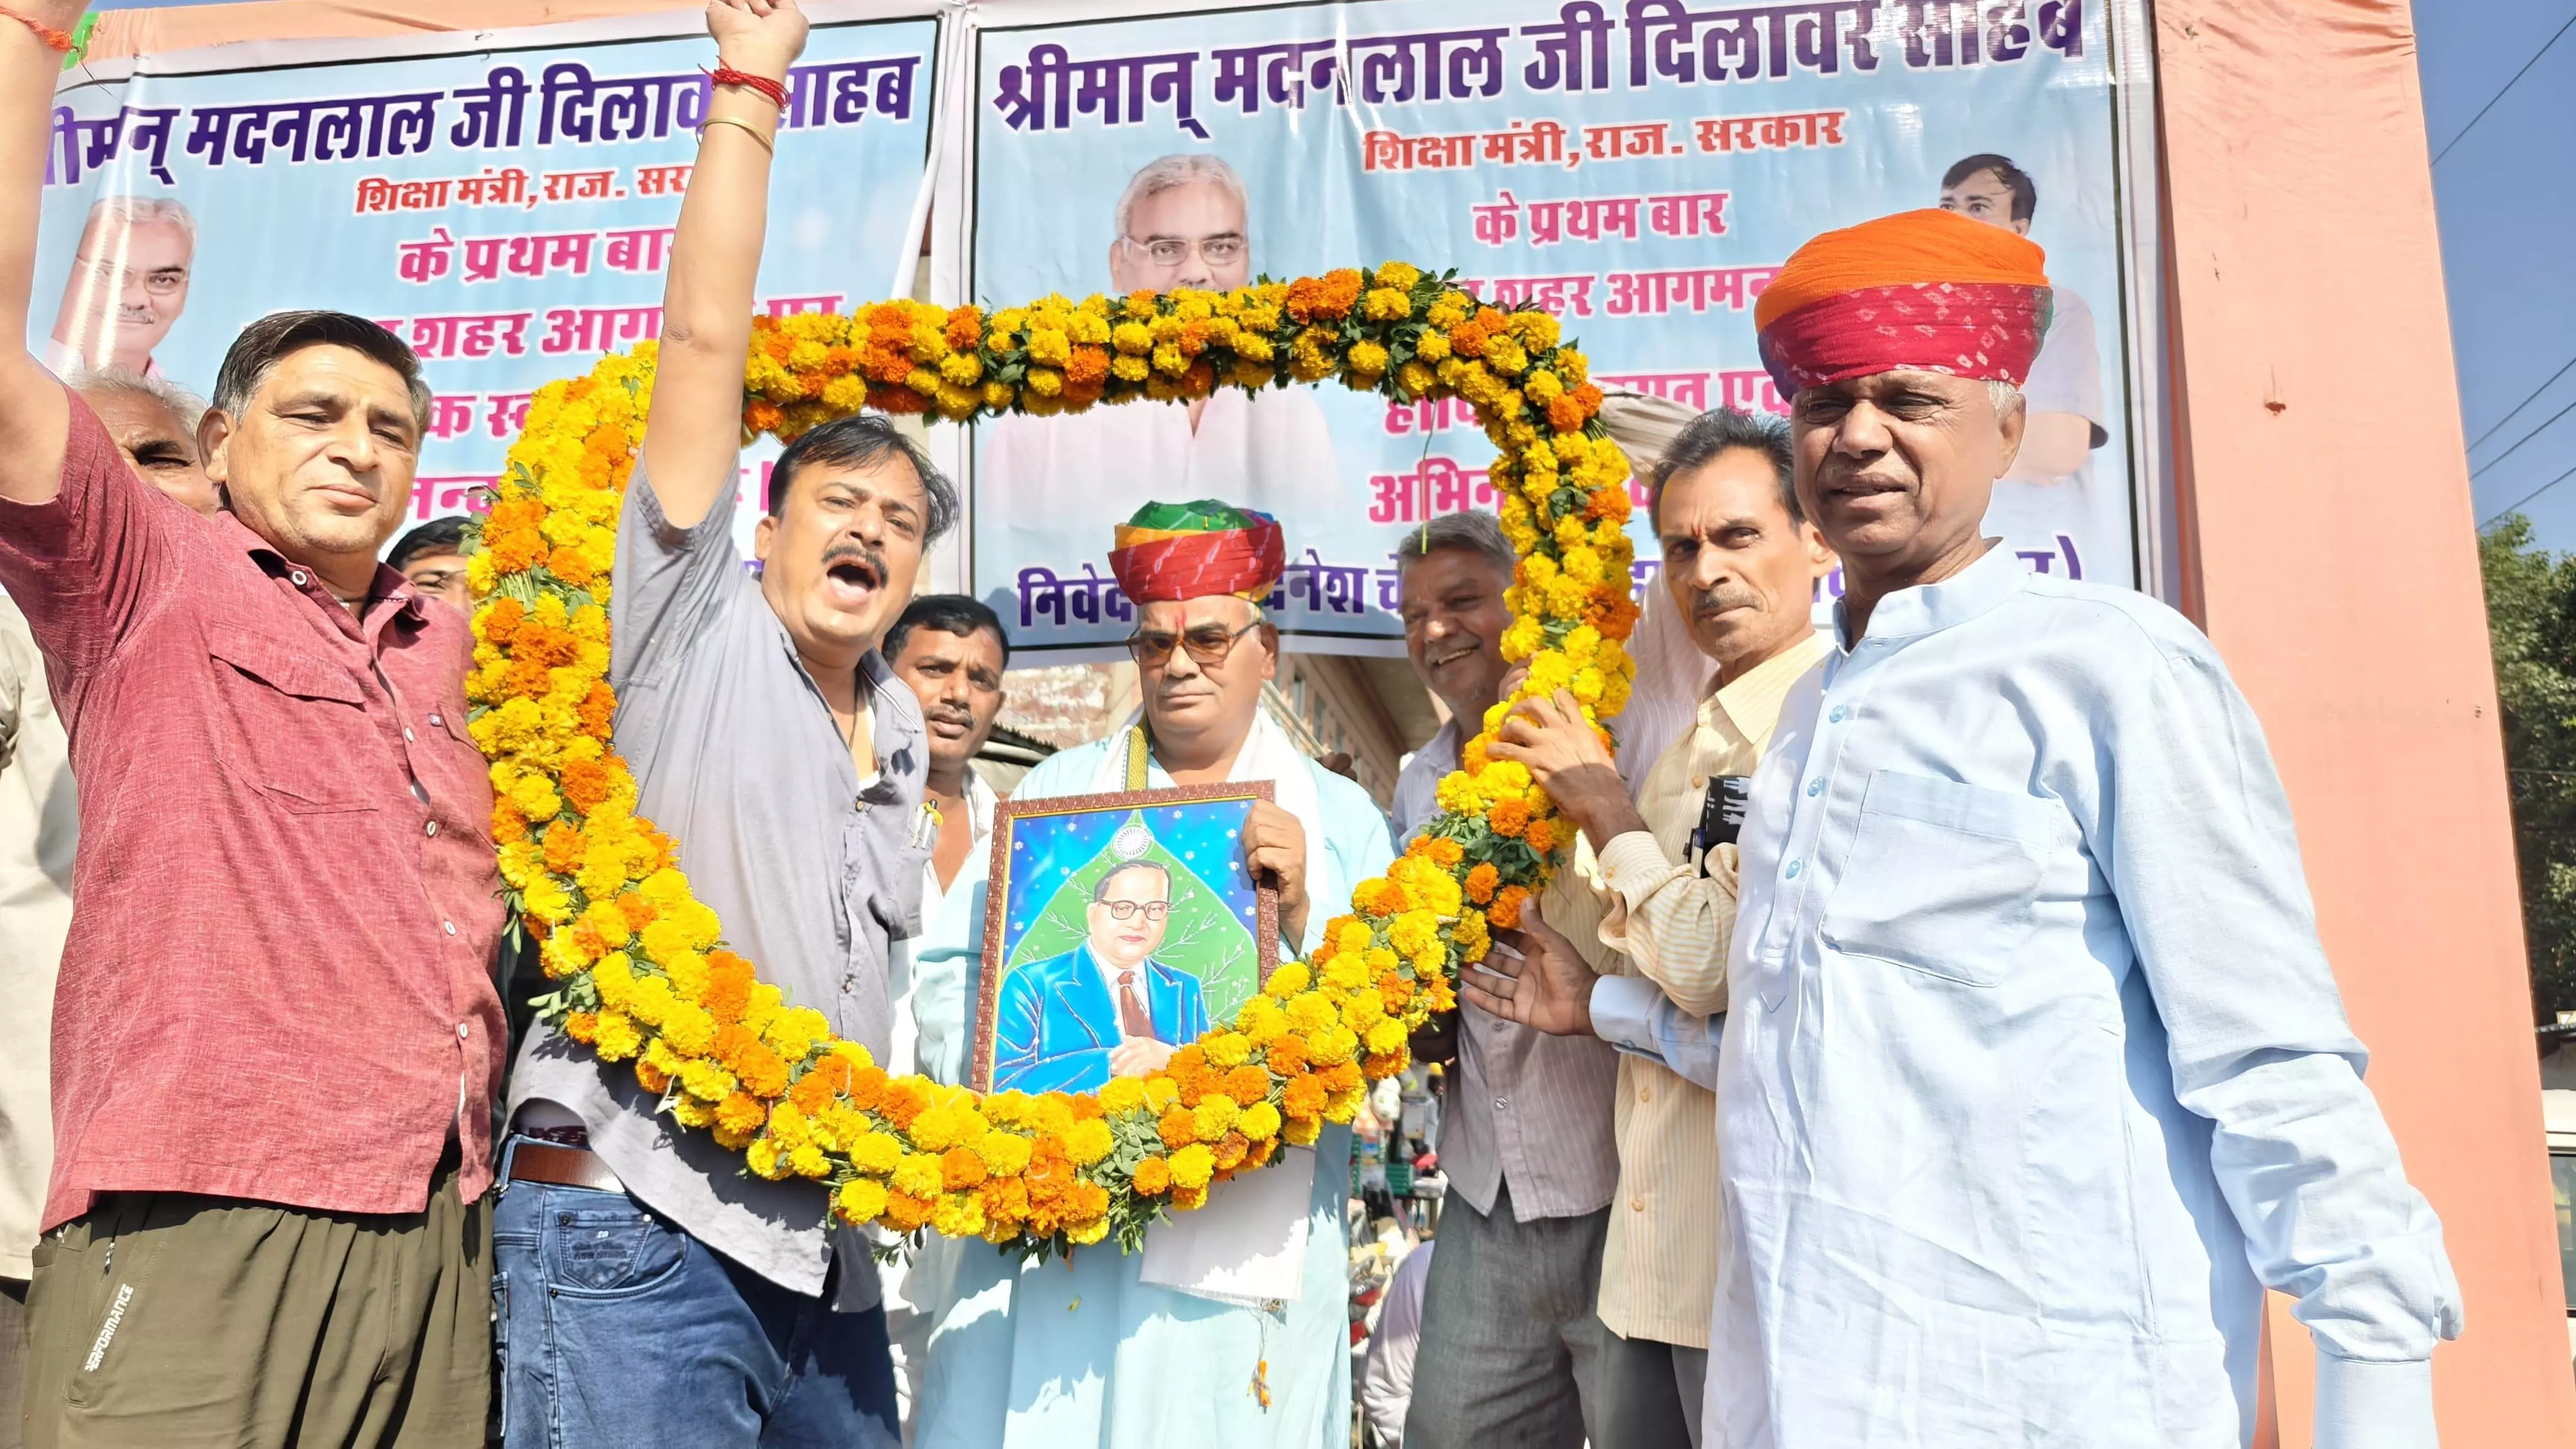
(562, 1167)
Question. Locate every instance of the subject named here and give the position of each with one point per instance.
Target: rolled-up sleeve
(2196, 834)
(1631, 1014)
(670, 582)
(85, 564)
(1670, 920)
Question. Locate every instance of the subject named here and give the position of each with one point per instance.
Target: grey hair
(184, 406)
(1182, 169)
(143, 211)
(1473, 532)
(2004, 395)
(1722, 430)
(256, 353)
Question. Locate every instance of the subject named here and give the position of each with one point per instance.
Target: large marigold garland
(642, 972)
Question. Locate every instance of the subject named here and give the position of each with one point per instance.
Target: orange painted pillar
(2328, 546)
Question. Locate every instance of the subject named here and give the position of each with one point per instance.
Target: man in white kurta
(2034, 1074)
(1105, 1350)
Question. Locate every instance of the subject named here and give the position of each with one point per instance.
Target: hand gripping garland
(640, 965)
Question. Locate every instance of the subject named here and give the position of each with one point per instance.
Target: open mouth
(853, 581)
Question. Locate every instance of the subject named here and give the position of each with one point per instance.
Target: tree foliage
(2531, 623)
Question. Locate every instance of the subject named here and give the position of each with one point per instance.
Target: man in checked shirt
(1742, 563)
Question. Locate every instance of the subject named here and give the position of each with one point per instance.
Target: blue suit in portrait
(1056, 1020)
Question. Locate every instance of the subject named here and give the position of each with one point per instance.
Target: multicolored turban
(1926, 289)
(1190, 550)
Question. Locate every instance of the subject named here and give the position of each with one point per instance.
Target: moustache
(1724, 597)
(855, 553)
(950, 714)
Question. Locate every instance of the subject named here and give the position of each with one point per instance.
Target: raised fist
(763, 37)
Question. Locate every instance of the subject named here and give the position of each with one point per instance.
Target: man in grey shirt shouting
(653, 1291)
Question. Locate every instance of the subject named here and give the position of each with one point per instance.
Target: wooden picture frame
(1068, 1017)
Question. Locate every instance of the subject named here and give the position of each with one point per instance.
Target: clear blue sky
(2506, 190)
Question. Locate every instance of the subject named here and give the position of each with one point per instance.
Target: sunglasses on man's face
(1154, 910)
(1208, 644)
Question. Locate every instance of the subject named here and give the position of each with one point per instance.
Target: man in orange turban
(2035, 1076)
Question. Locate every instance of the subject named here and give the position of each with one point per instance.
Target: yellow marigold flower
(1386, 1035)
(917, 1175)
(959, 1215)
(796, 1030)
(1213, 1115)
(1310, 1012)
(705, 1080)
(1133, 338)
(874, 1153)
(1087, 1142)
(1260, 1121)
(809, 1161)
(1193, 1165)
(1346, 973)
(1287, 980)
(688, 1027)
(1333, 1045)
(690, 1112)
(762, 1159)
(1400, 275)
(860, 1200)
(1130, 369)
(1300, 1131)
(1364, 1009)
(1261, 1021)
(1161, 1093)
(615, 1037)
(1006, 1154)
(1084, 1234)
(1350, 934)
(1226, 1049)
(1123, 1095)
(1368, 358)
(1522, 638)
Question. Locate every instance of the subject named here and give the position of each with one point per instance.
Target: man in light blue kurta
(2034, 1074)
(1084, 1354)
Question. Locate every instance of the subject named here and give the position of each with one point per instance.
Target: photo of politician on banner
(1637, 168)
(1117, 927)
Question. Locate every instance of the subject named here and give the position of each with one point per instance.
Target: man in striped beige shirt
(1654, 897)
(1509, 1338)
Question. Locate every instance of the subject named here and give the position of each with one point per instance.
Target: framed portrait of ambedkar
(1117, 928)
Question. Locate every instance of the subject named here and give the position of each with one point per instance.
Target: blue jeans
(616, 1329)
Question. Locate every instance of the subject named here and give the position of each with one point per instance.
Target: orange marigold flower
(965, 328)
(762, 1071)
(1088, 367)
(1541, 835)
(1230, 1149)
(1508, 817)
(1006, 1201)
(1482, 881)
(1304, 1097)
(581, 1026)
(1261, 1152)
(598, 710)
(1288, 1055)
(1339, 1077)
(867, 1088)
(1506, 909)
(900, 1103)
(1247, 1084)
(564, 845)
(650, 1077)
(1178, 1129)
(509, 827)
(585, 783)
(762, 415)
(960, 1169)
(1381, 1065)
(739, 1112)
(1386, 899)
(905, 1213)
(1153, 1176)
(1565, 414)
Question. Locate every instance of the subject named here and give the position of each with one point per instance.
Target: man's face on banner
(1983, 196)
(1190, 235)
(128, 284)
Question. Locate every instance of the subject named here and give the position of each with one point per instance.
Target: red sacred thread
(757, 84)
(60, 41)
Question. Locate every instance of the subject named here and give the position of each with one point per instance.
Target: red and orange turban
(1191, 550)
(1927, 289)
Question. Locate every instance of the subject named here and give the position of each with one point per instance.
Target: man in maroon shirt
(276, 1037)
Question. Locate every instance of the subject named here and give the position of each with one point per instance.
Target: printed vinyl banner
(1636, 167)
(507, 211)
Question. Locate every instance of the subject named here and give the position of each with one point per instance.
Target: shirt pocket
(1943, 877)
(297, 728)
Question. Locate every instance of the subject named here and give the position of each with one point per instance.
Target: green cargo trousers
(177, 1321)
